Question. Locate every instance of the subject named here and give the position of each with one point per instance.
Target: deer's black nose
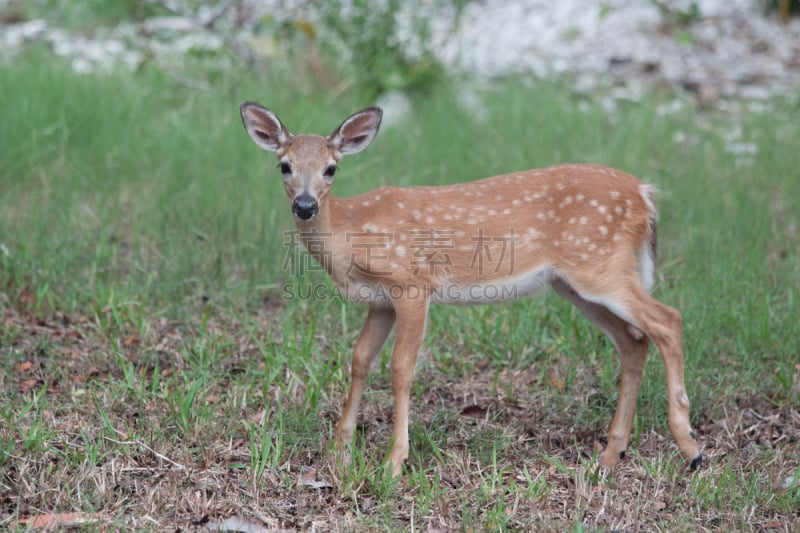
(305, 206)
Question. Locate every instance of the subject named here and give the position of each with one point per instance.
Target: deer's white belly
(501, 290)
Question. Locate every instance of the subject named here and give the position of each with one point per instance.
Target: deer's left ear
(357, 131)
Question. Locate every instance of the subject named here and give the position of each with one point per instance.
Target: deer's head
(309, 162)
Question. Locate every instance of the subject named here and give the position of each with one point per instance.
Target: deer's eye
(330, 170)
(286, 168)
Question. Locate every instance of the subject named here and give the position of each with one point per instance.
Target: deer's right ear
(263, 126)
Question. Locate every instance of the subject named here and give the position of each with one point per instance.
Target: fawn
(588, 231)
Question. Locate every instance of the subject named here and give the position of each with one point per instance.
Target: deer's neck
(321, 234)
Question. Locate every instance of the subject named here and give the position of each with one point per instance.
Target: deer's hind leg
(632, 346)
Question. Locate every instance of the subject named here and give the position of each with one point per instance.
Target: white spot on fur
(603, 230)
(400, 251)
(532, 233)
(401, 205)
(584, 220)
(614, 194)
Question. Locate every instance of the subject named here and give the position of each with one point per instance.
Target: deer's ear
(263, 126)
(357, 131)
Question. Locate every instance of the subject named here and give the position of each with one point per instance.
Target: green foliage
(682, 14)
(774, 6)
(386, 43)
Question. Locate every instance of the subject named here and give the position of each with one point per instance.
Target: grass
(152, 372)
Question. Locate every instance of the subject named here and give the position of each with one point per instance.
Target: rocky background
(710, 49)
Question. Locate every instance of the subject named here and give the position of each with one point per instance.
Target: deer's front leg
(411, 317)
(376, 329)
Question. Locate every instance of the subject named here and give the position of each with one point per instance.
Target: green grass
(151, 370)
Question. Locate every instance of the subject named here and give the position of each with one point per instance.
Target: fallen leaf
(787, 484)
(258, 418)
(557, 382)
(26, 297)
(29, 384)
(130, 341)
(474, 411)
(24, 366)
(60, 519)
(237, 523)
(309, 479)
